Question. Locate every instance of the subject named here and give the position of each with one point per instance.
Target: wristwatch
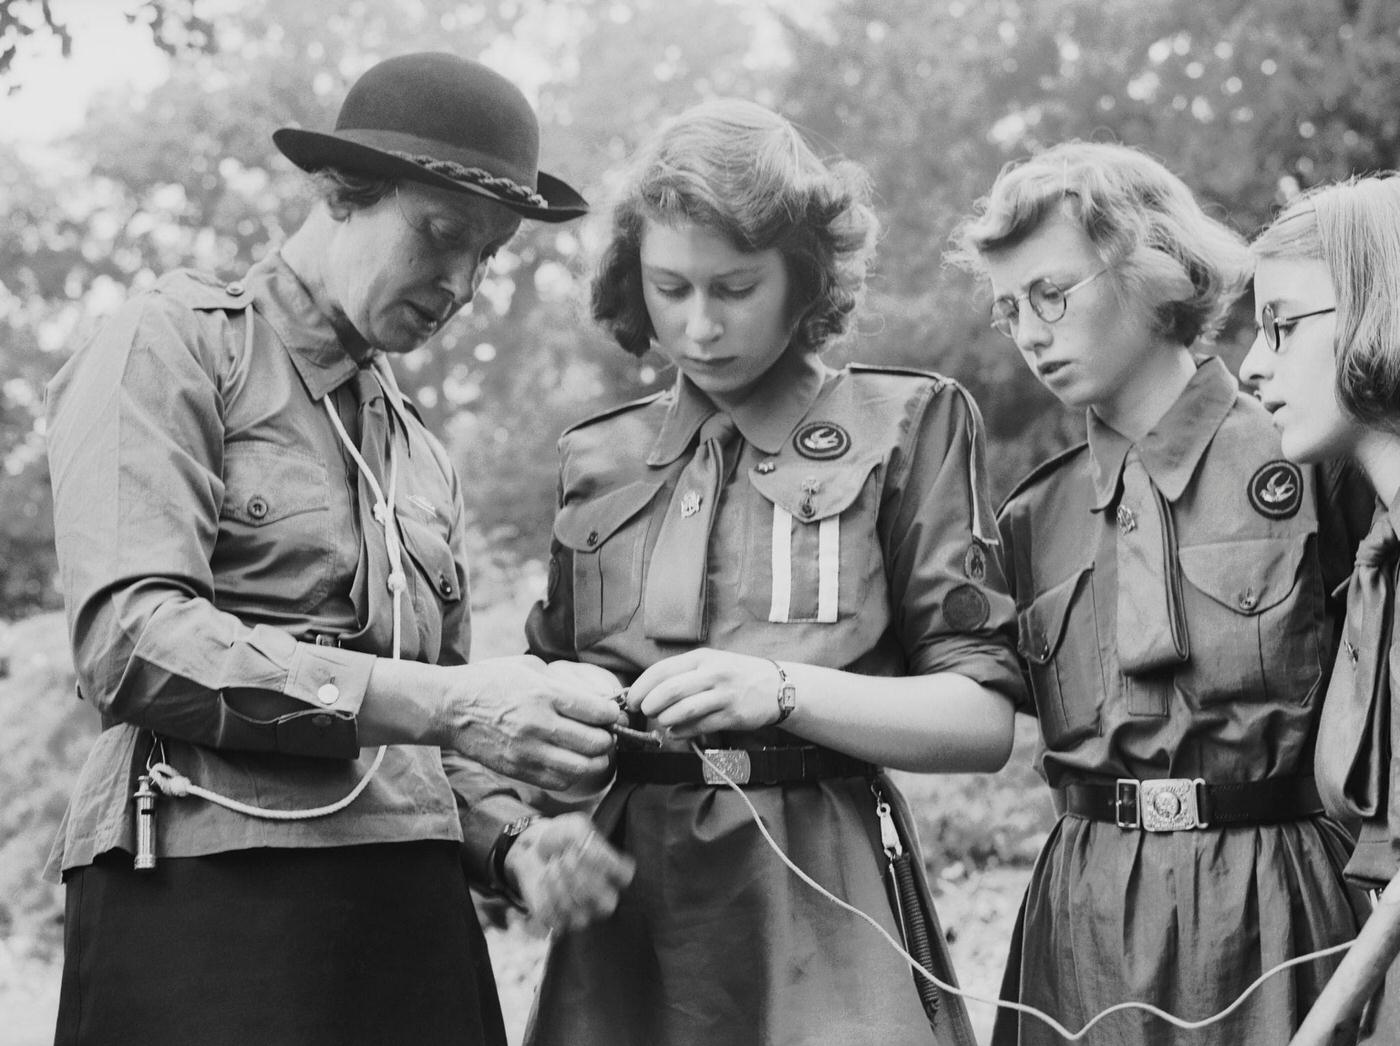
(496, 861)
(787, 694)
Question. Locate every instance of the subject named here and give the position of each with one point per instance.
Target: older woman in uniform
(262, 554)
(1172, 578)
(791, 565)
(1326, 366)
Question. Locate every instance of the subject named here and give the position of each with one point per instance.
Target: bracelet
(787, 694)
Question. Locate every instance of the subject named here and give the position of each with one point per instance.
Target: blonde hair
(1353, 227)
(1161, 249)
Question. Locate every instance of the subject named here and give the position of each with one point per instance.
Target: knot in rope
(169, 780)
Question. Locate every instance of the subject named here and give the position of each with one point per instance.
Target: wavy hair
(742, 170)
(344, 191)
(1161, 249)
(1353, 227)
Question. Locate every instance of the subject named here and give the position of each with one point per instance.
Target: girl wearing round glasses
(1171, 577)
(1326, 366)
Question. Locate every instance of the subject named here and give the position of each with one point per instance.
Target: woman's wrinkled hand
(704, 690)
(565, 873)
(542, 725)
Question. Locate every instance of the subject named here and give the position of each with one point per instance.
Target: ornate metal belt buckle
(733, 761)
(1169, 804)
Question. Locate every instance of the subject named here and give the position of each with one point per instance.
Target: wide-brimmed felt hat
(444, 121)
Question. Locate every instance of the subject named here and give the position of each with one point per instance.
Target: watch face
(517, 826)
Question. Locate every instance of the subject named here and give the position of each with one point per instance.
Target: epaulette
(612, 412)
(1042, 470)
(909, 372)
(198, 290)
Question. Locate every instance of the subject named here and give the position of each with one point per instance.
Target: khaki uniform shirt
(1255, 586)
(207, 529)
(879, 568)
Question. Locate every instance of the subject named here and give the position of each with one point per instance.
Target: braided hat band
(476, 176)
(443, 121)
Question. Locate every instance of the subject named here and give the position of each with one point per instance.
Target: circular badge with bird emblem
(1276, 490)
(821, 440)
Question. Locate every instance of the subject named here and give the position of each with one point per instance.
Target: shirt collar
(1173, 448)
(765, 419)
(305, 330)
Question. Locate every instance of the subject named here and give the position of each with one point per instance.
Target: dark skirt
(336, 946)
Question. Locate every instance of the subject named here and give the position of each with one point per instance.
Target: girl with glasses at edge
(1326, 366)
(1171, 578)
(852, 610)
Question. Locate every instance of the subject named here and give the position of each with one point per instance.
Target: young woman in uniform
(1326, 366)
(793, 566)
(1171, 578)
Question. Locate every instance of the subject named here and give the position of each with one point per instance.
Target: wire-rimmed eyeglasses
(1048, 301)
(1275, 327)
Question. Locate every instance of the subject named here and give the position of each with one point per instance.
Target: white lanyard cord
(1059, 1028)
(171, 782)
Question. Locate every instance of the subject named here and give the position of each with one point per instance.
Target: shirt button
(1248, 601)
(592, 538)
(328, 694)
(257, 506)
(444, 584)
(235, 288)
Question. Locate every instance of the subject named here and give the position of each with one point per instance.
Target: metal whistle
(145, 824)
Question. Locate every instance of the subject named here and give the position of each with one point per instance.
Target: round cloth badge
(821, 440)
(966, 608)
(1276, 490)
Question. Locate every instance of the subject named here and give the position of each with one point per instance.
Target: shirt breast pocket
(813, 553)
(274, 544)
(607, 538)
(428, 550)
(1058, 638)
(1254, 608)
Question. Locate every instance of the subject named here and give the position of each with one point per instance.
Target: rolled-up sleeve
(947, 586)
(136, 448)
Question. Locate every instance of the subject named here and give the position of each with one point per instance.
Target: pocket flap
(585, 525)
(1041, 626)
(431, 552)
(263, 484)
(812, 494)
(1249, 576)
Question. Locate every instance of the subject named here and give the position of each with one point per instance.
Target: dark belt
(756, 766)
(1177, 803)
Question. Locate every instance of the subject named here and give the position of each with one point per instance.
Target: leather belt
(790, 764)
(1179, 803)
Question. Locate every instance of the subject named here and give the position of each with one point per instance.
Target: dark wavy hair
(743, 171)
(1162, 250)
(344, 191)
(1353, 227)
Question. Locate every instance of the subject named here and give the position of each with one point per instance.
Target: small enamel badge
(975, 562)
(821, 440)
(690, 503)
(1127, 522)
(1276, 490)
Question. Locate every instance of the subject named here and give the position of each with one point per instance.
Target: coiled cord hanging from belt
(921, 971)
(173, 783)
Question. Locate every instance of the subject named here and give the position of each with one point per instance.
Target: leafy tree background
(1248, 100)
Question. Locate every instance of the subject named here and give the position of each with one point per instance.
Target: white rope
(1019, 1007)
(173, 783)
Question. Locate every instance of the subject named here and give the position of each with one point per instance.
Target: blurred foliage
(1247, 99)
